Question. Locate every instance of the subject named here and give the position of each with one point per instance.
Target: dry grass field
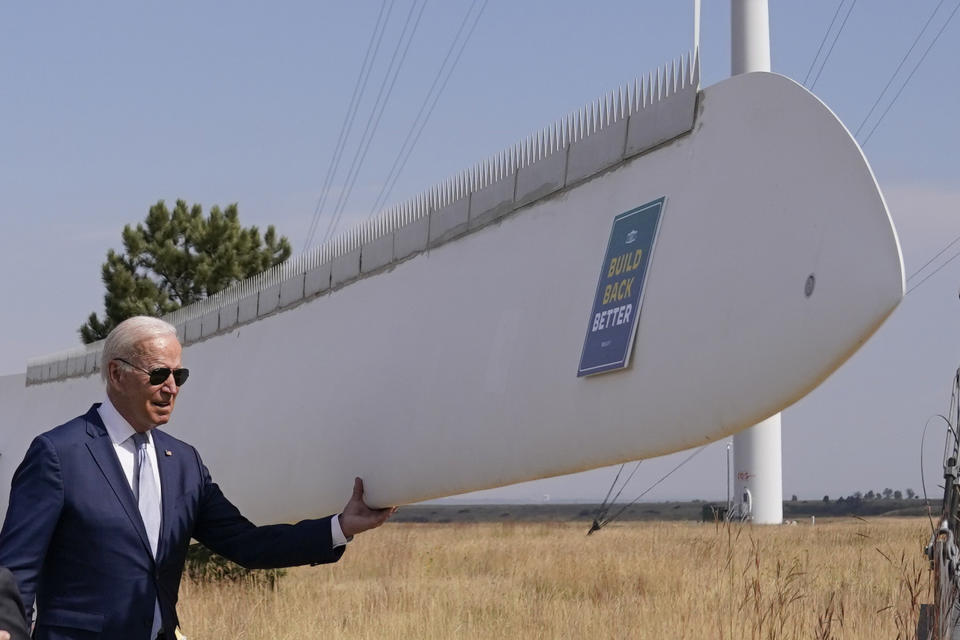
(846, 578)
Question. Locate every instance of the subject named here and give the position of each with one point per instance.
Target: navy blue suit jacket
(74, 539)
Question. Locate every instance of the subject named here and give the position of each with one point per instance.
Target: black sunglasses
(159, 375)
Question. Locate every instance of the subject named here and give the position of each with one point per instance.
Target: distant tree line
(869, 503)
(859, 496)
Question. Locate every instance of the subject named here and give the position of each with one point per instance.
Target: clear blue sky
(106, 108)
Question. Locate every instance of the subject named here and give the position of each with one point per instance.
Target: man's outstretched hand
(357, 517)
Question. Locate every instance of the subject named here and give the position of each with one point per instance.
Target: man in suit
(102, 508)
(12, 624)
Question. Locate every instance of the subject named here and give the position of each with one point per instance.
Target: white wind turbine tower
(757, 452)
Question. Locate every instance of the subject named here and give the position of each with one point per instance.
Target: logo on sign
(632, 236)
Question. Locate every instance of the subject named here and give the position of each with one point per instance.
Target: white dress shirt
(121, 435)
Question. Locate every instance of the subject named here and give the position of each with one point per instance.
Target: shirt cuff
(336, 533)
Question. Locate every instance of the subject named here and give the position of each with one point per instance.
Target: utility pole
(729, 504)
(757, 452)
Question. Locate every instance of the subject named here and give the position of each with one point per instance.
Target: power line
(413, 135)
(834, 43)
(381, 197)
(893, 76)
(932, 273)
(929, 262)
(436, 99)
(358, 90)
(909, 77)
(813, 62)
(899, 66)
(373, 122)
(937, 255)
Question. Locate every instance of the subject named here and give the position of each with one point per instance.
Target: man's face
(142, 404)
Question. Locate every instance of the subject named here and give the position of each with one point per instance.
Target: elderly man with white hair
(103, 507)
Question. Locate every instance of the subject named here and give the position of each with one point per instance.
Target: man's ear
(114, 371)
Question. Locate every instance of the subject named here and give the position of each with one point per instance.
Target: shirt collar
(117, 426)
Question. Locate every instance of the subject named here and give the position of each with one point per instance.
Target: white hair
(123, 339)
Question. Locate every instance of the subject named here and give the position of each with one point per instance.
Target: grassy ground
(846, 578)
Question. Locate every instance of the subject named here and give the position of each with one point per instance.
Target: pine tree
(175, 258)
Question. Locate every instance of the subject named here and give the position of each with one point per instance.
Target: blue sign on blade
(616, 306)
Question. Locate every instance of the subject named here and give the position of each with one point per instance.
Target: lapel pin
(167, 452)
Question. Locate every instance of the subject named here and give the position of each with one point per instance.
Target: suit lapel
(168, 492)
(101, 448)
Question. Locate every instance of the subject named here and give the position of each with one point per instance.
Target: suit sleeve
(221, 527)
(36, 499)
(11, 610)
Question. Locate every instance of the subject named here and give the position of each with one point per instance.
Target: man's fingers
(357, 489)
(4, 635)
